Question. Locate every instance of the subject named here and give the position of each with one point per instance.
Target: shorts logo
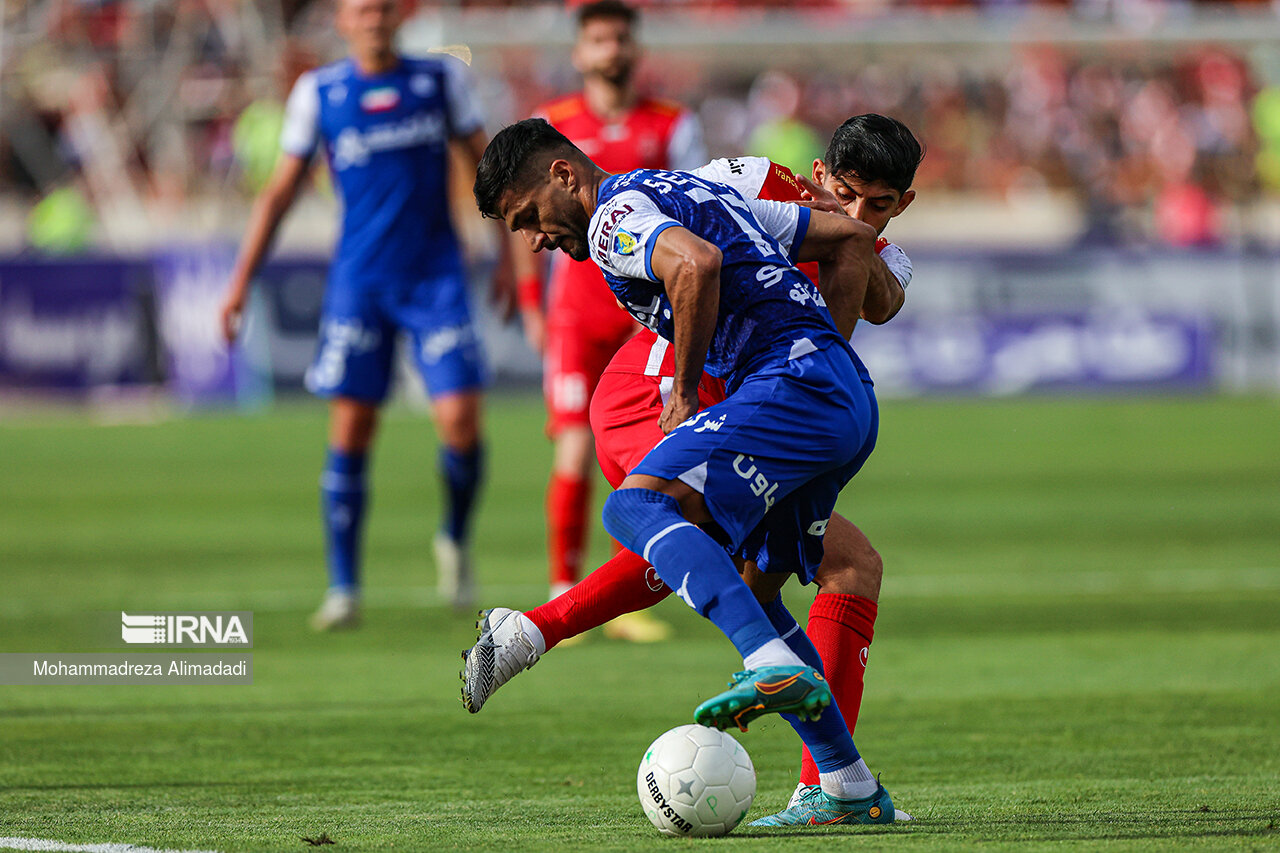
(818, 528)
(441, 342)
(759, 483)
(625, 243)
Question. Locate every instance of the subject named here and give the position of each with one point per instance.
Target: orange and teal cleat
(799, 690)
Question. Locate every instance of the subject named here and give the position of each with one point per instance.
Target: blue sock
(827, 737)
(342, 500)
(689, 561)
(461, 471)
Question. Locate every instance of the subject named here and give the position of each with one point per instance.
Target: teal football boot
(815, 808)
(799, 690)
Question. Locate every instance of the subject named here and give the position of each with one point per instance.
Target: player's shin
(689, 561)
(622, 585)
(343, 496)
(462, 472)
(841, 770)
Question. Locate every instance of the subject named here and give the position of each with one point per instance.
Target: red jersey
(653, 135)
(752, 177)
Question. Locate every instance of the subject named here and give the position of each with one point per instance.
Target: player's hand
(535, 328)
(231, 315)
(818, 197)
(679, 408)
(502, 291)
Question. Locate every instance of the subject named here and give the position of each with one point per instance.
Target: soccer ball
(696, 781)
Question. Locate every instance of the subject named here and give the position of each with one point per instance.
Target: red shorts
(573, 367)
(624, 418)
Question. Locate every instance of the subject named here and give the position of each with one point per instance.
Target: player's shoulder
(335, 72)
(747, 175)
(563, 108)
(431, 63)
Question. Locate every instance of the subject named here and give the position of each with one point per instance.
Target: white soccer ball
(696, 781)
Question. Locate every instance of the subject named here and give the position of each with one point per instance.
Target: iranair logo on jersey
(353, 148)
(380, 100)
(625, 243)
(188, 628)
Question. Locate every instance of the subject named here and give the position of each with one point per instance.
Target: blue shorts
(772, 458)
(358, 330)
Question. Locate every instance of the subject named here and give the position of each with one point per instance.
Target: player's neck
(374, 63)
(591, 188)
(608, 101)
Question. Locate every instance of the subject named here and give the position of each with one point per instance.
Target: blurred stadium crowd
(126, 111)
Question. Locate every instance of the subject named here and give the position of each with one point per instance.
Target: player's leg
(457, 419)
(446, 349)
(567, 385)
(343, 496)
(352, 368)
(792, 536)
(842, 619)
(624, 419)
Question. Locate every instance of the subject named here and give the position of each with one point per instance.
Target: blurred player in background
(387, 123)
(581, 327)
(867, 172)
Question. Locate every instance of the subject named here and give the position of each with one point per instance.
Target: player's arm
(469, 149)
(844, 249)
(689, 268)
(268, 209)
(885, 294)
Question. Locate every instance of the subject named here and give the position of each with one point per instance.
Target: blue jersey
(769, 311)
(385, 138)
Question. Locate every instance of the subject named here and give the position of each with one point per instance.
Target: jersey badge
(379, 100)
(625, 243)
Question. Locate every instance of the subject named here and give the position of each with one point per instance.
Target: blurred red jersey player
(581, 327)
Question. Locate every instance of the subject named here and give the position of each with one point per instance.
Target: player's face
(874, 203)
(606, 48)
(369, 26)
(549, 217)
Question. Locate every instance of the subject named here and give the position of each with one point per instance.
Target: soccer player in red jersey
(632, 392)
(581, 326)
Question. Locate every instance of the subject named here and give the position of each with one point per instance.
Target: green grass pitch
(1078, 646)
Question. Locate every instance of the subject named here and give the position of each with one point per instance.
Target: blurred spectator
(162, 103)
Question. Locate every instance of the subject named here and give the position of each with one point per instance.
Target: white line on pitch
(48, 844)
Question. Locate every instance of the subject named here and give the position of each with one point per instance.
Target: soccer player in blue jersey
(756, 475)
(386, 123)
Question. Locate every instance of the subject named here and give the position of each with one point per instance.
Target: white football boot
(454, 580)
(508, 644)
(340, 609)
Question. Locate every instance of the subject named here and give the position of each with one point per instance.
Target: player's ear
(819, 172)
(907, 197)
(563, 174)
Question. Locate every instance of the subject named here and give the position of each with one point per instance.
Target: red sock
(566, 526)
(841, 627)
(622, 585)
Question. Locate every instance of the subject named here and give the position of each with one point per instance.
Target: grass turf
(1078, 646)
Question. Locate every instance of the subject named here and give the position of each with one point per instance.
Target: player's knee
(629, 513)
(855, 568)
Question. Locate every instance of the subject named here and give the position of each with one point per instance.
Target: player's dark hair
(875, 148)
(509, 157)
(611, 9)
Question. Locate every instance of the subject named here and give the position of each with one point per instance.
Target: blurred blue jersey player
(756, 475)
(386, 124)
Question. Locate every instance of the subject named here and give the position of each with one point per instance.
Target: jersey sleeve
(786, 222)
(896, 260)
(779, 184)
(623, 234)
(300, 135)
(464, 113)
(686, 149)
